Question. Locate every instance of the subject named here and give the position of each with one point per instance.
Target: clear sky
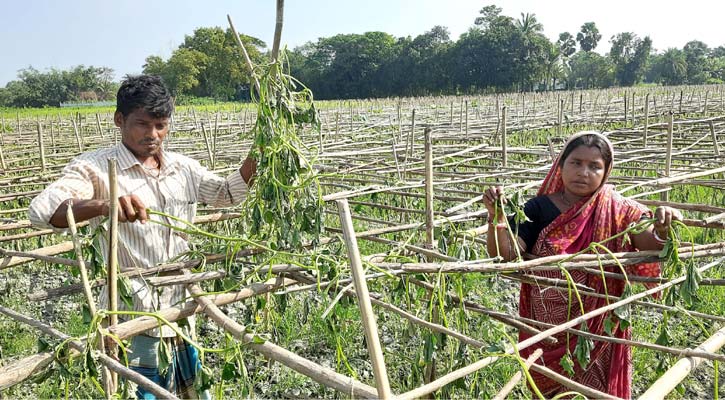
(120, 34)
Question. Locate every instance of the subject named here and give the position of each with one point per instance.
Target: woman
(573, 208)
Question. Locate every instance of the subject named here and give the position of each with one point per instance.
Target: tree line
(498, 53)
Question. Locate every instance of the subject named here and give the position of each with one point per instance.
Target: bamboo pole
(316, 372)
(105, 360)
(79, 142)
(278, 30)
(461, 372)
(509, 386)
(2, 159)
(566, 382)
(41, 147)
(646, 120)
(429, 216)
(368, 317)
(670, 379)
(19, 371)
(209, 152)
(113, 256)
(715, 144)
(504, 150)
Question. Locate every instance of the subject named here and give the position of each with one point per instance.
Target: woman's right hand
(491, 197)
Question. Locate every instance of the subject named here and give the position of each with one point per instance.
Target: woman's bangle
(657, 237)
(501, 225)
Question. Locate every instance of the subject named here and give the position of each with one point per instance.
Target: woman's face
(583, 171)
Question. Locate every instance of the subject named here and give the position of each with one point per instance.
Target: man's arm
(248, 170)
(130, 209)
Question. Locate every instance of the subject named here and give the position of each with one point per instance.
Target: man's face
(142, 133)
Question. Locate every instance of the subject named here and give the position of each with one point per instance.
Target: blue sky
(121, 34)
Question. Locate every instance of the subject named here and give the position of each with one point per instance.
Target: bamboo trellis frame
(458, 145)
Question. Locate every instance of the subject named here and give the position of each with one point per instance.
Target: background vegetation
(498, 53)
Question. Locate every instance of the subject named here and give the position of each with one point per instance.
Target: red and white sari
(592, 219)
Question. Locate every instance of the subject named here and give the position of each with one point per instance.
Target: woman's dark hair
(588, 141)
(146, 92)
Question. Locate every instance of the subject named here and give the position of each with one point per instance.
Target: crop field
(402, 256)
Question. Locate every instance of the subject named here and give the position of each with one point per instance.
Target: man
(148, 177)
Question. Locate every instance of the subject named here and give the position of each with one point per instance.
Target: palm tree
(528, 24)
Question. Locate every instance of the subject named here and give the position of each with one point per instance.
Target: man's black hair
(146, 92)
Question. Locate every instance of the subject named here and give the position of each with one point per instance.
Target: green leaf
(164, 357)
(688, 289)
(567, 364)
(86, 313)
(583, 348)
(229, 372)
(609, 325)
(624, 312)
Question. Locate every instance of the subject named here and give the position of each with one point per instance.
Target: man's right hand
(131, 209)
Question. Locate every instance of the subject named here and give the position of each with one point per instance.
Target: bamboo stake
(715, 144)
(461, 372)
(79, 256)
(19, 371)
(566, 382)
(504, 150)
(665, 196)
(316, 372)
(368, 317)
(244, 52)
(105, 360)
(646, 120)
(2, 159)
(113, 256)
(278, 30)
(429, 216)
(79, 142)
(208, 146)
(670, 379)
(509, 386)
(41, 147)
(98, 126)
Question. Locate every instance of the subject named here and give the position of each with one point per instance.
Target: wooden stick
(208, 146)
(41, 148)
(102, 358)
(578, 387)
(113, 257)
(670, 379)
(452, 376)
(366, 311)
(668, 156)
(244, 51)
(278, 30)
(715, 144)
(79, 142)
(316, 372)
(509, 386)
(504, 150)
(19, 371)
(79, 256)
(646, 120)
(429, 216)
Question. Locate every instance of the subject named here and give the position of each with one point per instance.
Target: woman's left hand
(663, 220)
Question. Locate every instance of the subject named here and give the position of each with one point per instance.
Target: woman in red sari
(573, 208)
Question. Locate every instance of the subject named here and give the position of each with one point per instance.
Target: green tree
(696, 53)
(222, 72)
(670, 68)
(588, 36)
(590, 70)
(629, 54)
(566, 44)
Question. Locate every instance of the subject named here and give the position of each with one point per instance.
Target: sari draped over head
(593, 219)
